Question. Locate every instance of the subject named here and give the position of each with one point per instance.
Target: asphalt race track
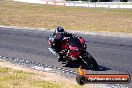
(113, 54)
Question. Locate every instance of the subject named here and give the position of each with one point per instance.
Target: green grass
(4, 70)
(10, 78)
(45, 84)
(75, 18)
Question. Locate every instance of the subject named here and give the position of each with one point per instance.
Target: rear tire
(123, 0)
(93, 0)
(90, 61)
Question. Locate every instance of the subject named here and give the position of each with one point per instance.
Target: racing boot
(61, 57)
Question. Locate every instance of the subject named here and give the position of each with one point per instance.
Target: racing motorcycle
(74, 51)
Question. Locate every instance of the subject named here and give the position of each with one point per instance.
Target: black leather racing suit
(58, 40)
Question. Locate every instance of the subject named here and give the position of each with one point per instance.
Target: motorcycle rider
(56, 40)
(58, 35)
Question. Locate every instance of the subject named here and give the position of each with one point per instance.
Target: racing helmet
(59, 30)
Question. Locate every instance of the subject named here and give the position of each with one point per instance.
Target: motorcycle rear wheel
(90, 61)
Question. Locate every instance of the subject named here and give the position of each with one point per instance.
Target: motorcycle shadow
(102, 68)
(76, 65)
